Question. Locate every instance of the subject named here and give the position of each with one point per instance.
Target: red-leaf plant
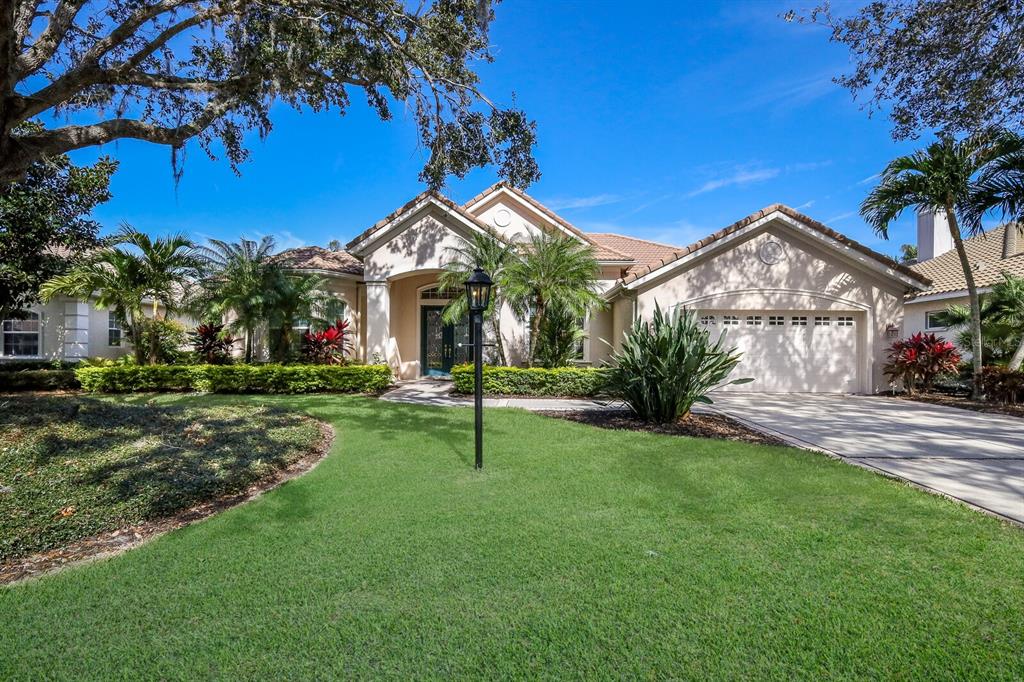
(212, 343)
(920, 359)
(330, 346)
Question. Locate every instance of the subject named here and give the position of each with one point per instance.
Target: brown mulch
(694, 425)
(121, 540)
(963, 402)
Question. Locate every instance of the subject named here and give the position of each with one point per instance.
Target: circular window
(502, 217)
(772, 252)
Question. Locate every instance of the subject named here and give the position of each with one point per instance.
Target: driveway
(974, 457)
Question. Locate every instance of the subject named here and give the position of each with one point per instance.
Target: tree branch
(40, 52)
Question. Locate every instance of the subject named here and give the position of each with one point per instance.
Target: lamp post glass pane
(478, 290)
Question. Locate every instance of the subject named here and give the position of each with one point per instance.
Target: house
(810, 309)
(992, 253)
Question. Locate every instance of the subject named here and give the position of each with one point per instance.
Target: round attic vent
(772, 252)
(502, 217)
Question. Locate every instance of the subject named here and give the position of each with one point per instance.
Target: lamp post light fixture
(478, 293)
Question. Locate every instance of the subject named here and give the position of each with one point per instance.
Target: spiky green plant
(668, 364)
(560, 339)
(1002, 317)
(296, 297)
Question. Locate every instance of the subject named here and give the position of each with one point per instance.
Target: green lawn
(577, 553)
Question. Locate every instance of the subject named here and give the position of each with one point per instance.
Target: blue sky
(667, 121)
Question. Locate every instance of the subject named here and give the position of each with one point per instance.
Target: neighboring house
(810, 309)
(990, 254)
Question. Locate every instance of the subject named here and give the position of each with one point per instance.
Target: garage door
(791, 351)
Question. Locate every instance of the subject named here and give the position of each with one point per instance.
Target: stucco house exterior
(811, 309)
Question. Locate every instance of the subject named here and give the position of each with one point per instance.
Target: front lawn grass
(577, 552)
(72, 467)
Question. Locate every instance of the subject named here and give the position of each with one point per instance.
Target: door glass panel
(463, 347)
(433, 348)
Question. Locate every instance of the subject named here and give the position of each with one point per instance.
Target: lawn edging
(236, 378)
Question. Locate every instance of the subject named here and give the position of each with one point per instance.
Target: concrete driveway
(974, 457)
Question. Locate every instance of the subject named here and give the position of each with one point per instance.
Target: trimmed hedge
(38, 380)
(563, 382)
(237, 378)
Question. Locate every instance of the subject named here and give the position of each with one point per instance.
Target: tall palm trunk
(538, 315)
(154, 337)
(972, 295)
(496, 326)
(1017, 359)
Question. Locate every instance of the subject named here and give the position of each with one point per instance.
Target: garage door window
(776, 320)
(799, 321)
(822, 321)
(844, 322)
(707, 320)
(730, 320)
(754, 320)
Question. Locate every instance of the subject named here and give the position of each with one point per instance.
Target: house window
(113, 329)
(436, 293)
(707, 320)
(798, 321)
(844, 321)
(822, 321)
(754, 320)
(933, 320)
(21, 337)
(776, 320)
(730, 320)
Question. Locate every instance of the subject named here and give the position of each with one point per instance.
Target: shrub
(21, 365)
(565, 382)
(668, 364)
(560, 339)
(212, 343)
(38, 380)
(919, 359)
(170, 340)
(1003, 385)
(330, 346)
(237, 378)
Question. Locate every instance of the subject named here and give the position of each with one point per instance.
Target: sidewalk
(437, 392)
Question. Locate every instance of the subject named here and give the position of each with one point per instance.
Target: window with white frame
(776, 320)
(798, 321)
(754, 320)
(113, 329)
(730, 320)
(22, 337)
(707, 320)
(844, 321)
(822, 321)
(933, 319)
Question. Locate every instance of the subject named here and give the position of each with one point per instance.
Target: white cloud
(868, 179)
(565, 203)
(841, 217)
(740, 176)
(805, 205)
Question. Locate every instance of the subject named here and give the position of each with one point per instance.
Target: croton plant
(920, 359)
(330, 346)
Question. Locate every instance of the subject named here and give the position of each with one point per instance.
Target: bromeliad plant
(668, 364)
(920, 359)
(330, 346)
(213, 343)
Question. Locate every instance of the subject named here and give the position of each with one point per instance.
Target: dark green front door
(442, 346)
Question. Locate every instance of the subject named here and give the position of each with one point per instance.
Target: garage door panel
(791, 351)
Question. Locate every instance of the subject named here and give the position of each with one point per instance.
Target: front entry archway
(442, 346)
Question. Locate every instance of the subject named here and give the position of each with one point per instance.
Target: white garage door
(791, 351)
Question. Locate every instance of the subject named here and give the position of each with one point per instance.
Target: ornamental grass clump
(669, 363)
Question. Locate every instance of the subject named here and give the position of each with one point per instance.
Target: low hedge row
(38, 380)
(236, 378)
(564, 382)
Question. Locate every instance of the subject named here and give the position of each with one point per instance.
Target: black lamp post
(478, 293)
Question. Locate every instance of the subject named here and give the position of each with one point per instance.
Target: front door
(442, 346)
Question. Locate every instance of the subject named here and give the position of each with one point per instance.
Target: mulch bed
(117, 541)
(695, 425)
(963, 402)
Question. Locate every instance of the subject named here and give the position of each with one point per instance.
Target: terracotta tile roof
(445, 201)
(792, 213)
(643, 252)
(317, 258)
(985, 252)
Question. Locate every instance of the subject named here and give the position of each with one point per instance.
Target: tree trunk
(135, 331)
(538, 314)
(154, 337)
(1017, 359)
(248, 345)
(496, 326)
(972, 294)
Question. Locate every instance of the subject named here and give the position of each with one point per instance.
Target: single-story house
(811, 309)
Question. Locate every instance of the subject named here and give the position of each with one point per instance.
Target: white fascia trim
(386, 230)
(944, 295)
(529, 207)
(719, 244)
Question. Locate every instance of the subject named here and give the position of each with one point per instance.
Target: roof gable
(502, 191)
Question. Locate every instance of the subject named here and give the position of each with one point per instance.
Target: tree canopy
(167, 71)
(956, 66)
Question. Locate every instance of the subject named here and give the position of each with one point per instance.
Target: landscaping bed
(695, 425)
(964, 403)
(81, 475)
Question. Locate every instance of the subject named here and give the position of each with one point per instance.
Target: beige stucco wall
(914, 316)
(810, 277)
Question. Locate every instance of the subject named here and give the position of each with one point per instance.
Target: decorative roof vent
(1013, 240)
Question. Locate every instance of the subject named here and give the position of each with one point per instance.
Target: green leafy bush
(668, 364)
(565, 382)
(38, 380)
(170, 343)
(21, 365)
(1003, 385)
(237, 378)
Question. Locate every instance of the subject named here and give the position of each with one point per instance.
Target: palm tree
(238, 283)
(296, 297)
(552, 272)
(1002, 314)
(494, 256)
(941, 177)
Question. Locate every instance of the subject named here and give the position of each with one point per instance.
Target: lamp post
(478, 293)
